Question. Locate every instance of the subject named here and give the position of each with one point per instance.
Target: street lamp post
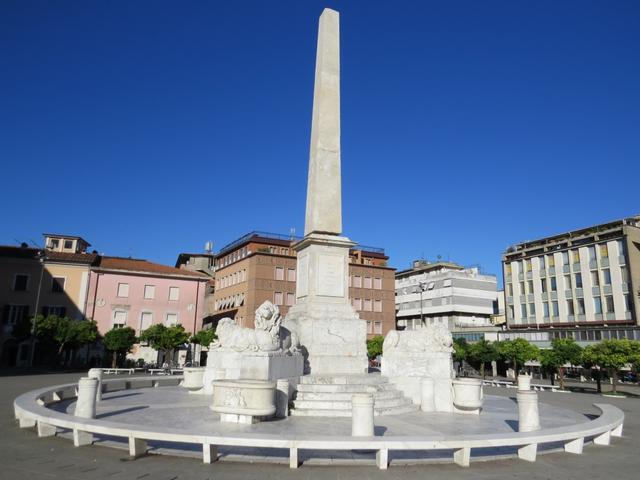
(41, 257)
(422, 286)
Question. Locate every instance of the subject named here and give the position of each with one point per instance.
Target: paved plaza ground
(24, 455)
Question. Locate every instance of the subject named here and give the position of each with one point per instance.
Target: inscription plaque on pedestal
(331, 275)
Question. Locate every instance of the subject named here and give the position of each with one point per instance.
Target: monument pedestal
(267, 366)
(331, 335)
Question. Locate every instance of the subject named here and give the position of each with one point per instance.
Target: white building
(450, 293)
(579, 284)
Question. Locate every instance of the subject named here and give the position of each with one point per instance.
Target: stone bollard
(524, 383)
(528, 416)
(97, 374)
(86, 401)
(282, 398)
(427, 395)
(362, 415)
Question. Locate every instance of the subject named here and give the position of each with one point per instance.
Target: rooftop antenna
(208, 247)
(292, 232)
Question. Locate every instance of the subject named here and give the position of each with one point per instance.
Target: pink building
(137, 293)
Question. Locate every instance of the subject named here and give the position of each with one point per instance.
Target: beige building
(261, 266)
(582, 284)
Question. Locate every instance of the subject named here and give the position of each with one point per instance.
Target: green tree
(517, 351)
(165, 339)
(374, 346)
(204, 337)
(65, 333)
(480, 353)
(119, 341)
(460, 347)
(612, 355)
(563, 351)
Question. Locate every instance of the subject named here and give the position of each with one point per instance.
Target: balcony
(568, 294)
(593, 265)
(566, 268)
(576, 267)
(595, 291)
(552, 270)
(579, 292)
(606, 289)
(543, 272)
(622, 260)
(604, 262)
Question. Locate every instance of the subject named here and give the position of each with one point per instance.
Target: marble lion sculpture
(432, 338)
(267, 336)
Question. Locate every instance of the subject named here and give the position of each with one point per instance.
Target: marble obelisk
(332, 336)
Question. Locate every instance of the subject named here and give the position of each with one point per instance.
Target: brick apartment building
(262, 266)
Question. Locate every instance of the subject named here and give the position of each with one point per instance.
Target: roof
(65, 236)
(18, 252)
(82, 258)
(145, 266)
(184, 256)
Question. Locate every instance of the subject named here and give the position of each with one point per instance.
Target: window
(510, 311)
(576, 256)
(570, 310)
(522, 288)
(592, 252)
(377, 283)
(554, 284)
(624, 273)
(551, 260)
(581, 306)
(377, 328)
(606, 276)
(595, 279)
(291, 299)
(277, 298)
(291, 274)
(369, 330)
(123, 290)
(627, 302)
(543, 285)
(174, 293)
(68, 244)
(541, 262)
(57, 284)
(523, 310)
(357, 281)
(597, 305)
(530, 286)
(377, 305)
(565, 258)
(55, 243)
(545, 308)
(367, 305)
(604, 250)
(529, 265)
(509, 290)
(567, 282)
(172, 319)
(367, 282)
(507, 268)
(622, 247)
(119, 318)
(608, 303)
(554, 309)
(149, 291)
(532, 309)
(578, 278)
(357, 303)
(20, 283)
(146, 320)
(15, 313)
(54, 310)
(279, 273)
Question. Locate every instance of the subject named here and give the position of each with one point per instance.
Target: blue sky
(150, 127)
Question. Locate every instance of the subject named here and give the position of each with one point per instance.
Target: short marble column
(86, 401)
(282, 398)
(97, 374)
(362, 415)
(524, 383)
(528, 416)
(427, 395)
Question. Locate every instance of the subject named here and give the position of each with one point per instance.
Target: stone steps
(330, 395)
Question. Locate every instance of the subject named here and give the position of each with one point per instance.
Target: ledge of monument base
(434, 364)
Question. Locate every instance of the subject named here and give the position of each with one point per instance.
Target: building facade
(261, 266)
(582, 284)
(444, 292)
(138, 293)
